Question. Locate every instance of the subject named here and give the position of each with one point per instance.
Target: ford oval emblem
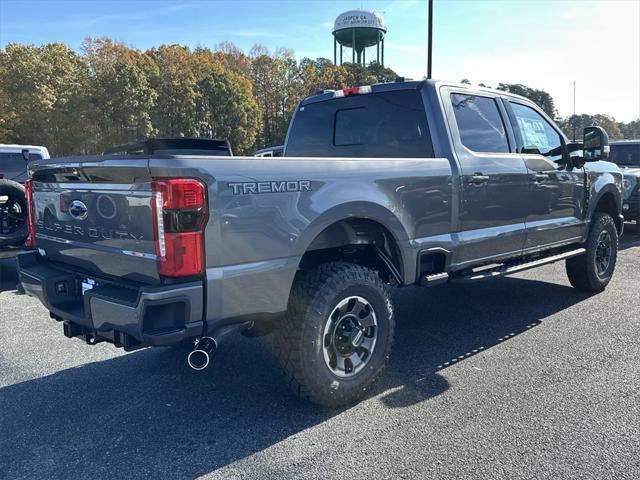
(78, 210)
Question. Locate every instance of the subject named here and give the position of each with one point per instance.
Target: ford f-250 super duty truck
(386, 185)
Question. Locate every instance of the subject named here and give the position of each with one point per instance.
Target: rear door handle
(540, 177)
(478, 179)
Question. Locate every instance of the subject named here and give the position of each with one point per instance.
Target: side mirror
(25, 154)
(596, 144)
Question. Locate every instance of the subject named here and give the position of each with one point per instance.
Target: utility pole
(574, 111)
(430, 35)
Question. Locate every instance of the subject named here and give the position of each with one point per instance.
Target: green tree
(42, 97)
(630, 130)
(120, 93)
(321, 74)
(609, 124)
(539, 97)
(575, 124)
(358, 75)
(381, 73)
(277, 88)
(233, 59)
(174, 114)
(225, 107)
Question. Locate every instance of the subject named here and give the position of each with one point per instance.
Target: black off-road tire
(299, 343)
(583, 270)
(12, 237)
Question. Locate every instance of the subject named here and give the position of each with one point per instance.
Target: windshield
(625, 155)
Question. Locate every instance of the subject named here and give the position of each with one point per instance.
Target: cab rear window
(386, 124)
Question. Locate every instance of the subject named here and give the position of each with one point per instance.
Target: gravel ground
(517, 378)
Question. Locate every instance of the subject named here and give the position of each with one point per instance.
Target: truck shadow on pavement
(146, 414)
(8, 274)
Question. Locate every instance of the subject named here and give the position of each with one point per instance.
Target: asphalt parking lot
(522, 377)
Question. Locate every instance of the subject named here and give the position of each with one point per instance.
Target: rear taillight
(31, 215)
(179, 207)
(64, 202)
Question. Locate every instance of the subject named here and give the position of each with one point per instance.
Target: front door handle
(540, 177)
(478, 179)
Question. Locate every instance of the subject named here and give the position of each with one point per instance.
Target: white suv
(14, 160)
(13, 205)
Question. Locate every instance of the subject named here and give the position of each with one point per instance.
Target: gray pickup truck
(406, 183)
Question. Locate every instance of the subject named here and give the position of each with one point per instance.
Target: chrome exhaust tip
(204, 349)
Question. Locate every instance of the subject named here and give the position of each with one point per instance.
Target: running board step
(434, 279)
(511, 268)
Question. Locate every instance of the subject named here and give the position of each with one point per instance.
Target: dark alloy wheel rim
(604, 252)
(350, 336)
(12, 217)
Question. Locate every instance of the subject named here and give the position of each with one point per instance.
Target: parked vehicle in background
(174, 146)
(15, 158)
(626, 154)
(275, 151)
(13, 172)
(468, 184)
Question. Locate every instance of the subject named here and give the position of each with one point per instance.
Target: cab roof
(407, 85)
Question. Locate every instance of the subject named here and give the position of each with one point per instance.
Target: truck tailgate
(96, 216)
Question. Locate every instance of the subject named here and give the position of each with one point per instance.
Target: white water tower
(359, 30)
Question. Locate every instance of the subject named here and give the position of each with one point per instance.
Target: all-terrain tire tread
(312, 289)
(581, 270)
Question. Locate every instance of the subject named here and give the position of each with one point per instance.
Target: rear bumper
(127, 316)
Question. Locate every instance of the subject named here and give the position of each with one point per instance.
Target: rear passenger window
(479, 123)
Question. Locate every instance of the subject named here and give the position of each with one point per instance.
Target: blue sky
(545, 44)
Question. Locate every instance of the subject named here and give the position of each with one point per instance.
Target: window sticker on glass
(538, 136)
(533, 134)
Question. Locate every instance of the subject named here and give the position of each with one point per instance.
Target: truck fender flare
(352, 211)
(364, 210)
(602, 188)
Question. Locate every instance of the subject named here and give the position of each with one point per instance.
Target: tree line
(110, 94)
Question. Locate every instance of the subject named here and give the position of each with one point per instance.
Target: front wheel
(337, 335)
(592, 271)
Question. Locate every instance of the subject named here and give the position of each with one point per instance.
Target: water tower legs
(353, 46)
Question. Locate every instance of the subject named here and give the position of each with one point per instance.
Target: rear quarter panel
(255, 241)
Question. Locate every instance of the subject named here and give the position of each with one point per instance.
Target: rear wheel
(592, 271)
(337, 335)
(13, 214)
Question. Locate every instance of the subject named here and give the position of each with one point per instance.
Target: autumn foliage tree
(119, 93)
(43, 96)
(109, 93)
